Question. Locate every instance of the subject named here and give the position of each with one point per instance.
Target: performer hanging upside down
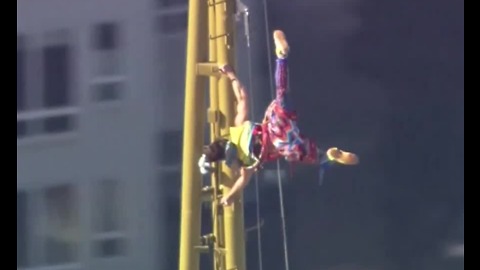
(251, 144)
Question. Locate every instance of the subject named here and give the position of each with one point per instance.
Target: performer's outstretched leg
(283, 129)
(281, 69)
(280, 117)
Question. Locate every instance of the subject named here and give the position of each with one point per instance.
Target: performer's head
(215, 151)
(212, 153)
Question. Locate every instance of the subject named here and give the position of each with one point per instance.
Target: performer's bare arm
(240, 95)
(242, 181)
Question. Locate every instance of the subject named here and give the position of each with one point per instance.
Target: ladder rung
(213, 116)
(207, 69)
(203, 249)
(219, 36)
(213, 3)
(207, 193)
(208, 239)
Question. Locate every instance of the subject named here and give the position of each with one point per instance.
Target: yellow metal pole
(233, 215)
(194, 120)
(239, 210)
(219, 259)
(212, 58)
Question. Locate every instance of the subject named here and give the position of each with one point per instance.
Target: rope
(257, 188)
(279, 176)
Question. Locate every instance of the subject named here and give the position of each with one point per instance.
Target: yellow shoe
(342, 157)
(281, 44)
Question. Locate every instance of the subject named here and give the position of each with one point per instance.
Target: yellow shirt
(241, 137)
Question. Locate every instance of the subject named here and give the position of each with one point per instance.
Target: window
(172, 220)
(58, 124)
(105, 38)
(62, 228)
(172, 16)
(173, 23)
(45, 104)
(171, 3)
(22, 236)
(108, 221)
(21, 125)
(48, 230)
(105, 41)
(172, 54)
(56, 75)
(170, 148)
(20, 75)
(108, 78)
(107, 91)
(170, 182)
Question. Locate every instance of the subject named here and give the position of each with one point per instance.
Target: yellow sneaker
(281, 44)
(342, 157)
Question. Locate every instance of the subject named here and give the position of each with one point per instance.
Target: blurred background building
(99, 131)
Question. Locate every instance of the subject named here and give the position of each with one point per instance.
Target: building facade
(99, 127)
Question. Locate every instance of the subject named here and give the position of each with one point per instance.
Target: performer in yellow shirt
(250, 144)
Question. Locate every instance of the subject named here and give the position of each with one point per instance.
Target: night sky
(384, 79)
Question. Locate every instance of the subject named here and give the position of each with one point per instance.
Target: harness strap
(262, 130)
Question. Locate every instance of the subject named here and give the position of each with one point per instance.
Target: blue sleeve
(231, 154)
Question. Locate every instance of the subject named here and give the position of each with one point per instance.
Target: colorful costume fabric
(281, 123)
